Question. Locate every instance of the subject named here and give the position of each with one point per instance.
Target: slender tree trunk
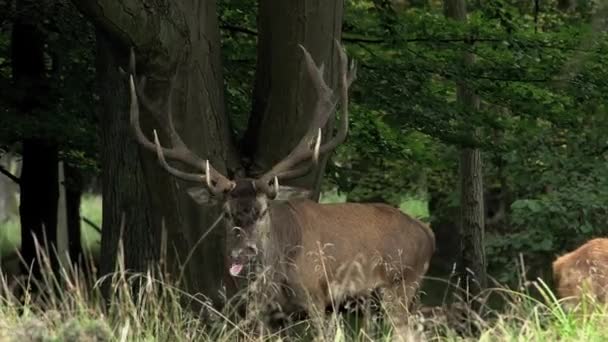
(472, 213)
(283, 98)
(472, 217)
(39, 177)
(73, 193)
(38, 204)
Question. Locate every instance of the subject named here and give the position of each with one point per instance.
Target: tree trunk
(472, 217)
(283, 98)
(38, 204)
(472, 213)
(125, 204)
(73, 192)
(153, 200)
(39, 177)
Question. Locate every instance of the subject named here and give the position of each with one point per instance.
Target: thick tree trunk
(188, 33)
(283, 99)
(472, 213)
(125, 204)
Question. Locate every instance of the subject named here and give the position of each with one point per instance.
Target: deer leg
(315, 308)
(396, 301)
(259, 300)
(370, 312)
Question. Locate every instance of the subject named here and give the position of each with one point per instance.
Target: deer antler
(215, 181)
(293, 166)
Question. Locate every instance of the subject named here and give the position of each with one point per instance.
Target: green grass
(10, 235)
(90, 207)
(413, 206)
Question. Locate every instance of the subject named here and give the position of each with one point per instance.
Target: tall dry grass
(145, 307)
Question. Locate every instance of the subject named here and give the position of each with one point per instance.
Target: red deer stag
(583, 271)
(318, 254)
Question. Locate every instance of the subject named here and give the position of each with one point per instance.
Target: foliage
(238, 23)
(541, 74)
(563, 198)
(69, 116)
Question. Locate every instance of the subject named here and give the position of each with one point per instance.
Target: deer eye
(236, 231)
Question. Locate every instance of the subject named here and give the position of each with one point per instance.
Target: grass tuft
(149, 307)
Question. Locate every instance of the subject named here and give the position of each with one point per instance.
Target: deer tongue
(235, 269)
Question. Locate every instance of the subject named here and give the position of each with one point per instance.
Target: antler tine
(324, 107)
(178, 151)
(215, 181)
(175, 172)
(347, 77)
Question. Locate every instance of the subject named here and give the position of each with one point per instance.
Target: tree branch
(91, 224)
(374, 40)
(10, 175)
(238, 29)
(94, 11)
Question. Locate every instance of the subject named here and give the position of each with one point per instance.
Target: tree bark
(38, 203)
(125, 203)
(472, 217)
(282, 97)
(39, 176)
(176, 34)
(472, 213)
(73, 192)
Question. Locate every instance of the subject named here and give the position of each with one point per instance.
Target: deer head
(246, 200)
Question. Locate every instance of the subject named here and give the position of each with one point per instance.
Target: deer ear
(292, 192)
(202, 196)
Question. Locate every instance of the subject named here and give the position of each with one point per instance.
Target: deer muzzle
(240, 257)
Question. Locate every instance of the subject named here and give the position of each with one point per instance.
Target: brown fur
(584, 270)
(324, 253)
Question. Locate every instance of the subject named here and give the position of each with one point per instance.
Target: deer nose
(236, 253)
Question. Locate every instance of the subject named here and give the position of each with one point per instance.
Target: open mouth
(235, 269)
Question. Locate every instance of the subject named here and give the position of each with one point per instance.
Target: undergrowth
(149, 307)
